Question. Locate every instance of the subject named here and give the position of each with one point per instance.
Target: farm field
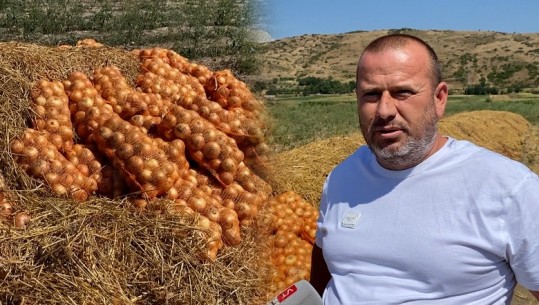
(297, 122)
(300, 120)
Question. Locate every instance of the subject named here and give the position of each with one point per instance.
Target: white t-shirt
(460, 228)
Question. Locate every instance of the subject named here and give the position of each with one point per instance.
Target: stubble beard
(414, 149)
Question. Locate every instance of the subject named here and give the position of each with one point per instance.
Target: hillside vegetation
(218, 33)
(501, 60)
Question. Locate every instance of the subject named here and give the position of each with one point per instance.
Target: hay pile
(305, 168)
(101, 252)
(501, 131)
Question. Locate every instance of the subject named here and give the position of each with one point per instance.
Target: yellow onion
(6, 209)
(21, 220)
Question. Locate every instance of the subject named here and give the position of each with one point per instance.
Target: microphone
(299, 293)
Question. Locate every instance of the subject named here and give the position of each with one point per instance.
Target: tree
(313, 85)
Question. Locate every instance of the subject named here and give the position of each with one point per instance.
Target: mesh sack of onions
(145, 165)
(51, 107)
(41, 159)
(291, 222)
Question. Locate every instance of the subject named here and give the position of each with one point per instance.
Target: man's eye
(403, 94)
(371, 96)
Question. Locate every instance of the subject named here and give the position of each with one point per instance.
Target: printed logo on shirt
(350, 220)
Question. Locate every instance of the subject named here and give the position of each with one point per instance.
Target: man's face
(398, 106)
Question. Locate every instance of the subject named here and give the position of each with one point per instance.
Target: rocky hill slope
(498, 59)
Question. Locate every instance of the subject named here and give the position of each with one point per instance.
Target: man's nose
(386, 108)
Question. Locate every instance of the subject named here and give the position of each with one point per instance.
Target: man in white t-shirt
(417, 217)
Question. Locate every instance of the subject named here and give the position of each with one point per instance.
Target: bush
(314, 85)
(480, 89)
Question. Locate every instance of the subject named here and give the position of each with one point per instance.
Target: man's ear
(440, 99)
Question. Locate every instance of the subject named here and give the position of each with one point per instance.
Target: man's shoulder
(479, 157)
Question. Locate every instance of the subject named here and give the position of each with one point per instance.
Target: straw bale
(305, 168)
(100, 252)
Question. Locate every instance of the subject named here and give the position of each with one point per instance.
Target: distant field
(297, 121)
(526, 105)
(300, 120)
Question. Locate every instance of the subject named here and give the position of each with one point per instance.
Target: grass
(298, 120)
(525, 105)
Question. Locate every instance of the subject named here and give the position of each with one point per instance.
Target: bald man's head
(399, 41)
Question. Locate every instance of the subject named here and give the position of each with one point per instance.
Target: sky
(288, 18)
